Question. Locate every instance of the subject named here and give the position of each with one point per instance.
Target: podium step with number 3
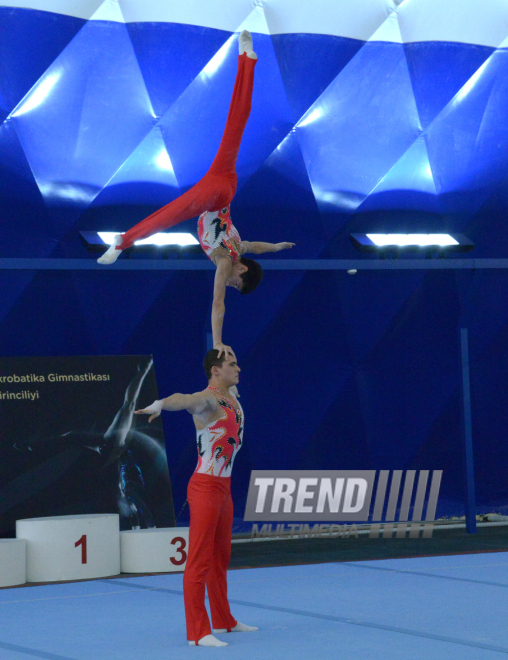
(159, 550)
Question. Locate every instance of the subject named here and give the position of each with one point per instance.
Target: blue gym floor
(451, 607)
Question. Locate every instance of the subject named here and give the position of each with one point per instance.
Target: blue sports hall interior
(373, 117)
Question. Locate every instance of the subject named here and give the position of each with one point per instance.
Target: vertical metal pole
(468, 436)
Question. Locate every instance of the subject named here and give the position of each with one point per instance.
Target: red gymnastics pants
(217, 188)
(211, 522)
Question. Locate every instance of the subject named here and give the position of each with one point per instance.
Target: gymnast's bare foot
(209, 640)
(240, 627)
(245, 45)
(113, 252)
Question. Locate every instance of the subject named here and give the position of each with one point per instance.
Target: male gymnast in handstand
(210, 199)
(219, 421)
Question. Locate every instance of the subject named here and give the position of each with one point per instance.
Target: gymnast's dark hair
(252, 277)
(211, 360)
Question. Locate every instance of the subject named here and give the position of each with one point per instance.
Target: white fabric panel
(77, 8)
(255, 22)
(389, 30)
(109, 11)
(482, 22)
(357, 20)
(218, 14)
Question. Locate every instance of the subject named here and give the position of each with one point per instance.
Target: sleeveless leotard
(215, 229)
(219, 442)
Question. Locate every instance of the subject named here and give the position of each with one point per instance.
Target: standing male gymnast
(218, 417)
(210, 199)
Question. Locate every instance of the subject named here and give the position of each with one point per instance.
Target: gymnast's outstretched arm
(195, 404)
(259, 247)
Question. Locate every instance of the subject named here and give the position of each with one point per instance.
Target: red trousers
(211, 522)
(217, 188)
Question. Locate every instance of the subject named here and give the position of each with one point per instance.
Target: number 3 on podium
(181, 550)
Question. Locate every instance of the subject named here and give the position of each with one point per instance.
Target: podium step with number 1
(71, 547)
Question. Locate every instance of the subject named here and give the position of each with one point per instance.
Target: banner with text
(71, 444)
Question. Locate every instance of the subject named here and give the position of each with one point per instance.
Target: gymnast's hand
(237, 245)
(284, 246)
(154, 410)
(222, 348)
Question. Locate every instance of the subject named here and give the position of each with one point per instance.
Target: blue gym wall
(376, 115)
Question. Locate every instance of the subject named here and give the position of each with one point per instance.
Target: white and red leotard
(215, 229)
(219, 442)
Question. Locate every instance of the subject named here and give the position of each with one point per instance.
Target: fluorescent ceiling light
(161, 239)
(425, 242)
(165, 242)
(401, 240)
